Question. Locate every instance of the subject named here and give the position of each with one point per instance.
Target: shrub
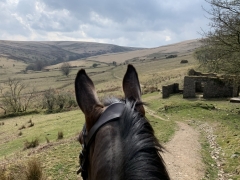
(94, 65)
(150, 89)
(22, 127)
(34, 170)
(65, 68)
(57, 101)
(60, 135)
(20, 133)
(3, 175)
(49, 99)
(31, 124)
(184, 61)
(32, 144)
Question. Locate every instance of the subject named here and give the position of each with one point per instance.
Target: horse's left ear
(87, 98)
(131, 87)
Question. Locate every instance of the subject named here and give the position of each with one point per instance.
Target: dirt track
(183, 159)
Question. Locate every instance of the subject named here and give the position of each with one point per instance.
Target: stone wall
(216, 88)
(213, 87)
(189, 86)
(169, 89)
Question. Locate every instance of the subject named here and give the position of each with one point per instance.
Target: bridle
(112, 113)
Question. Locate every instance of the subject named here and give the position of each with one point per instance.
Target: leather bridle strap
(112, 112)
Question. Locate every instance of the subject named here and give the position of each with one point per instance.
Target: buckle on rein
(82, 162)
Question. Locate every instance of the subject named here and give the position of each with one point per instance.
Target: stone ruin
(170, 89)
(209, 84)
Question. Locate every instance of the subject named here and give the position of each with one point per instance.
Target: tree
(220, 51)
(65, 68)
(94, 65)
(49, 99)
(14, 96)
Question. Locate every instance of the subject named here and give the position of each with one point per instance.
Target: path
(183, 158)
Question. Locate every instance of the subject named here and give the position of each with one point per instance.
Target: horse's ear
(86, 96)
(131, 87)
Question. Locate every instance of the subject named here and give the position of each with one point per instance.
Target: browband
(112, 112)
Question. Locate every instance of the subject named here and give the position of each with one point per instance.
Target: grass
(210, 165)
(45, 125)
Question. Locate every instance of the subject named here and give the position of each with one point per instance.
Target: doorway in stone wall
(238, 91)
(199, 87)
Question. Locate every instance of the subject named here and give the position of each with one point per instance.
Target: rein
(112, 113)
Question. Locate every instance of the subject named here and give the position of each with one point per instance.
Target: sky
(135, 23)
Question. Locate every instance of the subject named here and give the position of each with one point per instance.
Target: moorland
(48, 122)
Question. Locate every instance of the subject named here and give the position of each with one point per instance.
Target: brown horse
(118, 141)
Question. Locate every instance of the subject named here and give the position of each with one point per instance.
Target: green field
(60, 157)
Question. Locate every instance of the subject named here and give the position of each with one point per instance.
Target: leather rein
(112, 113)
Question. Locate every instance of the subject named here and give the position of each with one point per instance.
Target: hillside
(138, 55)
(181, 48)
(55, 52)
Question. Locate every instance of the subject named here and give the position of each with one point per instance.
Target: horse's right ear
(86, 96)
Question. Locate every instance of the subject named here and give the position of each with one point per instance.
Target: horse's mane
(140, 147)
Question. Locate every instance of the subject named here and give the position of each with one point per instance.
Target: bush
(31, 170)
(20, 133)
(49, 99)
(65, 68)
(22, 127)
(60, 135)
(57, 101)
(150, 89)
(32, 144)
(34, 170)
(94, 65)
(31, 124)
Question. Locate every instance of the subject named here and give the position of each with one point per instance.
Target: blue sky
(137, 23)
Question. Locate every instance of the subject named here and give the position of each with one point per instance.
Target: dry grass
(30, 170)
(31, 144)
(34, 170)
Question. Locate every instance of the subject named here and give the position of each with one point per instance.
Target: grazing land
(216, 121)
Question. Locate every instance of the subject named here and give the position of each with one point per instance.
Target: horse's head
(116, 137)
(88, 100)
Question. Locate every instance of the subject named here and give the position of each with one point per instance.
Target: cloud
(138, 23)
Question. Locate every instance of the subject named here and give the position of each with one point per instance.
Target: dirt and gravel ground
(183, 158)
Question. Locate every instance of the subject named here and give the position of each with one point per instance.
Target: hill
(181, 48)
(138, 55)
(55, 52)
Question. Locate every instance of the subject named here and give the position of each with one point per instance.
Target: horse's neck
(106, 155)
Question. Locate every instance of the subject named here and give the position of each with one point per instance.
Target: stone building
(210, 85)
